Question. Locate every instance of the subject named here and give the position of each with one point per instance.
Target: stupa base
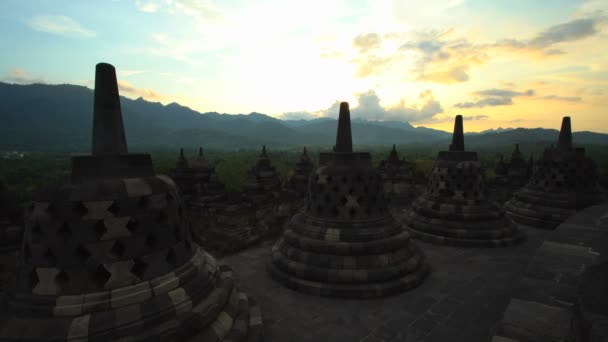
(354, 290)
(185, 306)
(535, 215)
(518, 237)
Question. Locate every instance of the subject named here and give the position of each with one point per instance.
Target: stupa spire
(564, 141)
(344, 140)
(458, 136)
(108, 130)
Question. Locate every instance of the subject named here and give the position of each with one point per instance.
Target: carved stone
(345, 243)
(564, 181)
(454, 210)
(109, 256)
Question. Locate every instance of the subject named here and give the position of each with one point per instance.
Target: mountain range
(59, 117)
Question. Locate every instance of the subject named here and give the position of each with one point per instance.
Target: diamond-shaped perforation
(100, 228)
(80, 209)
(50, 257)
(171, 257)
(62, 278)
(50, 209)
(162, 216)
(33, 278)
(114, 208)
(118, 249)
(65, 231)
(139, 267)
(132, 225)
(101, 275)
(82, 253)
(143, 202)
(177, 232)
(36, 228)
(151, 241)
(27, 252)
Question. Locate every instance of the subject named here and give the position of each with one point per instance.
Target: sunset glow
(505, 63)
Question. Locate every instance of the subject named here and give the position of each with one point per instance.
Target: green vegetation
(37, 170)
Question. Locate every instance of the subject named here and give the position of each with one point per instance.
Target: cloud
(129, 90)
(563, 98)
(566, 32)
(59, 25)
(21, 76)
(147, 6)
(474, 117)
(371, 64)
(202, 10)
(442, 58)
(369, 108)
(494, 97)
(366, 42)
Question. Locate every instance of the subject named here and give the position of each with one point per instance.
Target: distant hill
(59, 117)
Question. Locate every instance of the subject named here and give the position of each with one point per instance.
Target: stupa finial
(458, 136)
(344, 140)
(564, 141)
(108, 130)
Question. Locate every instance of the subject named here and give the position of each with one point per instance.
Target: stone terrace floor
(463, 298)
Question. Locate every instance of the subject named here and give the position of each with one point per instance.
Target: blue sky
(511, 63)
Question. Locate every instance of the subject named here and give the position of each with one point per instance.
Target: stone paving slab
(463, 299)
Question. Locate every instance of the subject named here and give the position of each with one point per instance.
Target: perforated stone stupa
(563, 182)
(263, 181)
(346, 243)
(298, 183)
(108, 257)
(184, 179)
(10, 227)
(399, 186)
(517, 172)
(454, 209)
(11, 231)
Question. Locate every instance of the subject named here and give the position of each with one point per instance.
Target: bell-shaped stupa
(298, 183)
(398, 178)
(454, 210)
(519, 170)
(109, 257)
(10, 225)
(563, 182)
(183, 176)
(263, 180)
(346, 243)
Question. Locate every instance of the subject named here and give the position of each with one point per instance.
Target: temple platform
(463, 298)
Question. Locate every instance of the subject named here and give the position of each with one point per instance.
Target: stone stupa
(183, 177)
(10, 227)
(519, 170)
(398, 178)
(454, 210)
(298, 183)
(346, 243)
(263, 180)
(564, 181)
(109, 257)
(209, 189)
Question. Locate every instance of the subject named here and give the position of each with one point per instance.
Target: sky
(512, 63)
